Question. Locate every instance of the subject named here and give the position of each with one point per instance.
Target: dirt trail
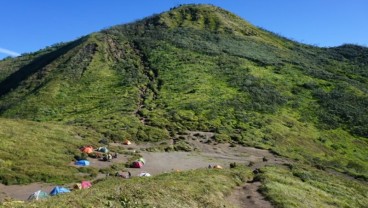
(248, 196)
(205, 154)
(22, 192)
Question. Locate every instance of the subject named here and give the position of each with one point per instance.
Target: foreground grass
(197, 188)
(307, 187)
(32, 151)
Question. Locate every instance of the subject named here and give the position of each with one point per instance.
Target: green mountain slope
(30, 151)
(198, 67)
(202, 68)
(10, 65)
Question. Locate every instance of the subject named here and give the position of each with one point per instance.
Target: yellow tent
(217, 167)
(127, 142)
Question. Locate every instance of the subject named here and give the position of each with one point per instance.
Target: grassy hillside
(31, 151)
(198, 68)
(9, 65)
(306, 187)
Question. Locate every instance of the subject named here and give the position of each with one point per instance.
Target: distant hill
(199, 67)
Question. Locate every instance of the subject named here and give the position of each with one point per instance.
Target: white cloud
(8, 52)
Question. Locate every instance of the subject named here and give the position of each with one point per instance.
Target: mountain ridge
(199, 67)
(195, 68)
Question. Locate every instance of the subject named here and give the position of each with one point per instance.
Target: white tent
(38, 195)
(144, 174)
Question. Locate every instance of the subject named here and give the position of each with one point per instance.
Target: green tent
(38, 195)
(102, 149)
(142, 160)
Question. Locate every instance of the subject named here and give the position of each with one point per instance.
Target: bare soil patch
(248, 196)
(22, 192)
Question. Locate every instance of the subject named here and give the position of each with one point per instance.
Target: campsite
(157, 162)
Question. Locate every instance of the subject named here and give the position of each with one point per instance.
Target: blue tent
(82, 162)
(58, 190)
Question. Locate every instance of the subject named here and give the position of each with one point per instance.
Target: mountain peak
(204, 16)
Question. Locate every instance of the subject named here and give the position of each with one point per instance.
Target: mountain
(201, 68)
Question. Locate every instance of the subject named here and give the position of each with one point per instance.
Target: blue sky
(29, 25)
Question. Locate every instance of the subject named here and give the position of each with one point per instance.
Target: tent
(77, 186)
(127, 142)
(58, 190)
(123, 174)
(106, 157)
(38, 195)
(217, 167)
(82, 162)
(102, 149)
(87, 149)
(142, 160)
(144, 174)
(86, 184)
(82, 185)
(137, 164)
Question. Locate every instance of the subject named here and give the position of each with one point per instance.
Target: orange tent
(87, 149)
(127, 142)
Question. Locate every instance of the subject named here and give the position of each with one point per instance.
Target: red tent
(86, 184)
(137, 164)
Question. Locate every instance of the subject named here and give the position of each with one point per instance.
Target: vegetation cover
(197, 188)
(198, 68)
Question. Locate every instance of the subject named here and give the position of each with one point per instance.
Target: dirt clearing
(204, 154)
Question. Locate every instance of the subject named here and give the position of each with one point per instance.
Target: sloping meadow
(31, 151)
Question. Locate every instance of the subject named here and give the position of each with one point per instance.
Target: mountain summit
(200, 68)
